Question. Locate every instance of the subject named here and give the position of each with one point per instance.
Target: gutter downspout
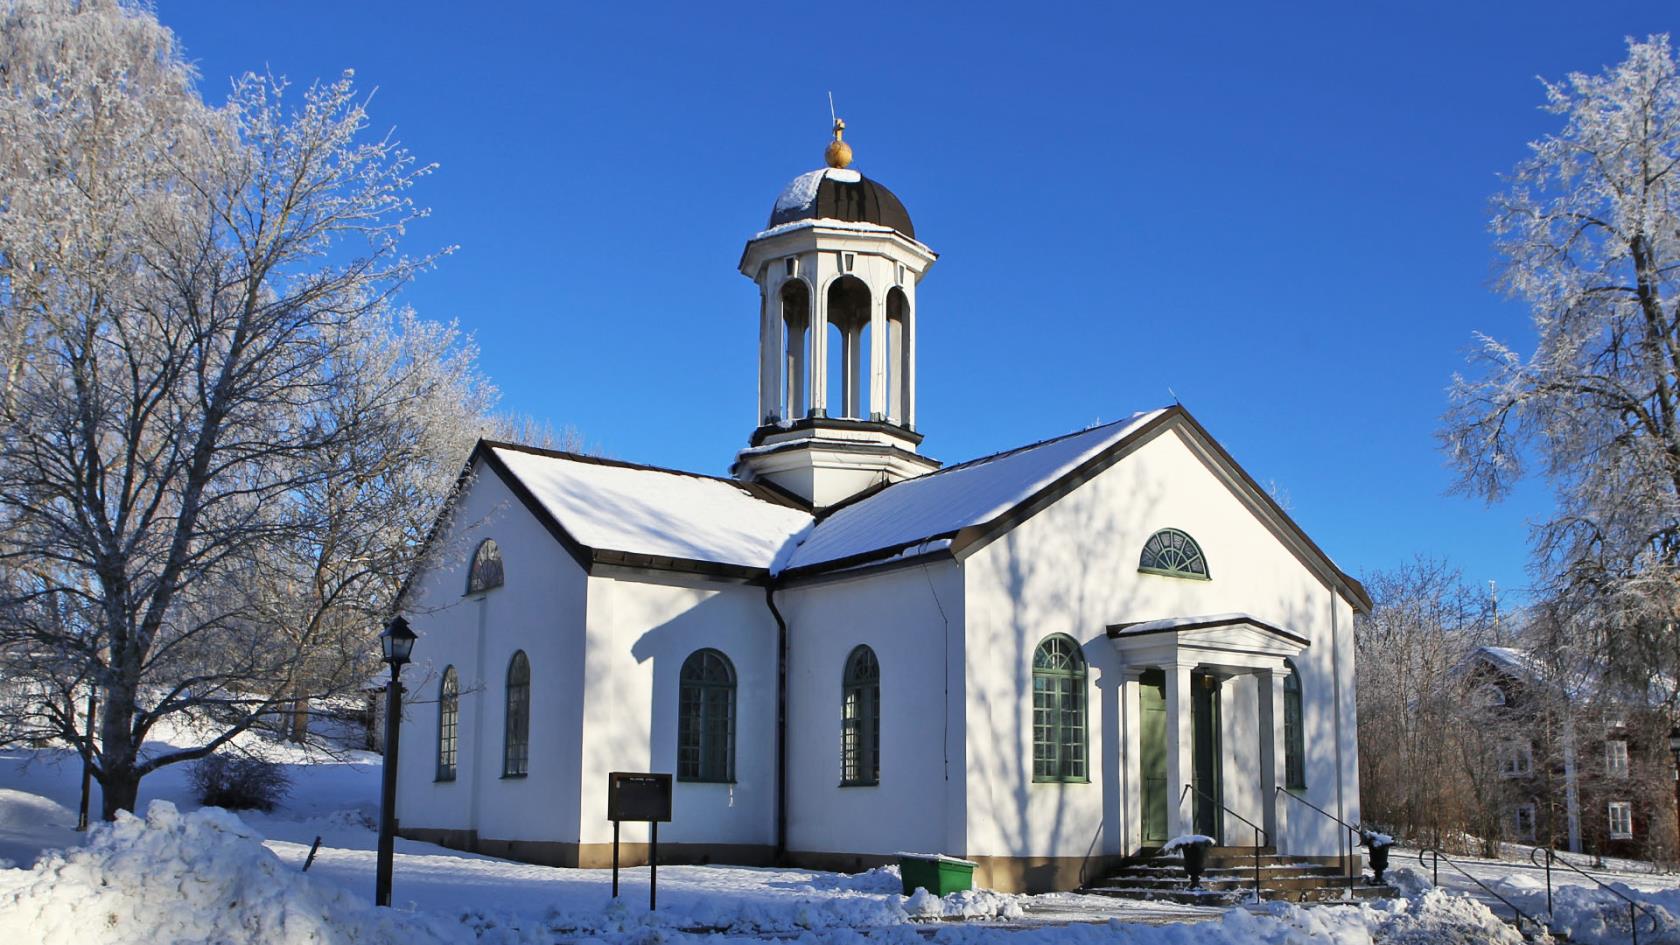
(1336, 694)
(781, 722)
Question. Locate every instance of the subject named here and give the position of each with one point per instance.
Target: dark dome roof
(840, 194)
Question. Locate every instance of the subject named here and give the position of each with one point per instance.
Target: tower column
(769, 357)
(878, 356)
(909, 366)
(853, 361)
(818, 348)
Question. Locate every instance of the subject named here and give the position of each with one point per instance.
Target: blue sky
(1277, 211)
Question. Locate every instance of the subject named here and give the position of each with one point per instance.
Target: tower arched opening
(849, 305)
(795, 299)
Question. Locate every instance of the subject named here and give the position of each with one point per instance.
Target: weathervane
(839, 153)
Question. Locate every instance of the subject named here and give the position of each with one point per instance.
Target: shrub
(239, 783)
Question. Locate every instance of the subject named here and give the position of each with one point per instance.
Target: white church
(1046, 661)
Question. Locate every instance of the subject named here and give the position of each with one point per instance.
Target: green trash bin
(939, 875)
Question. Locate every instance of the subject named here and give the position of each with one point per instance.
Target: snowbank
(188, 878)
(1595, 916)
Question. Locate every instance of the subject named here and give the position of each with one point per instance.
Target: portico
(1176, 674)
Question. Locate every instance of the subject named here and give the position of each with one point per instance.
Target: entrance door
(1152, 754)
(1207, 770)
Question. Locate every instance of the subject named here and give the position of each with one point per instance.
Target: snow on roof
(1174, 623)
(940, 503)
(1513, 661)
(656, 512)
(827, 223)
(802, 190)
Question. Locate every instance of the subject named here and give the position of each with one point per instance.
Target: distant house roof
(1586, 682)
(612, 512)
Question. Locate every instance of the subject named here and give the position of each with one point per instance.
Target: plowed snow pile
(202, 877)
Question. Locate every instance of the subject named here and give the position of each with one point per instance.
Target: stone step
(1179, 880)
(1227, 878)
(1206, 896)
(1269, 863)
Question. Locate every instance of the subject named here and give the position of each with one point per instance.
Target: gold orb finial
(839, 153)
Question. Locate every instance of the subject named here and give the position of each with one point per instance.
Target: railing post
(1435, 868)
(1549, 909)
(1633, 923)
(1257, 866)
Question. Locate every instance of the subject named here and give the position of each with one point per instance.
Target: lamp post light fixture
(397, 642)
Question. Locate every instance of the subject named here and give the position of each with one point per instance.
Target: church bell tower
(837, 270)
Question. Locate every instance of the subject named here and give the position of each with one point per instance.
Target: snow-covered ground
(178, 874)
(1580, 908)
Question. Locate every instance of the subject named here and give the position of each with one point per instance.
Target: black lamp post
(1674, 747)
(398, 642)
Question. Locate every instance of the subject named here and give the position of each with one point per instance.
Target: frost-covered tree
(220, 444)
(1590, 234)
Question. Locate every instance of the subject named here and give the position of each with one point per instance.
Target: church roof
(612, 512)
(835, 193)
(649, 513)
(942, 503)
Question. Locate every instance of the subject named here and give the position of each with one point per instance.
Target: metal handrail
(1435, 878)
(1553, 856)
(1353, 871)
(1261, 837)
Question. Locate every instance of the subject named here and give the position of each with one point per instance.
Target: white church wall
(1073, 568)
(642, 626)
(539, 608)
(909, 616)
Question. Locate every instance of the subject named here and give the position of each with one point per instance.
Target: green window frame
(449, 718)
(1059, 712)
(516, 746)
(860, 719)
(1294, 732)
(1173, 553)
(706, 718)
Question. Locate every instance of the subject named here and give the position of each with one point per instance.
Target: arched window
(1058, 674)
(1294, 737)
(486, 571)
(1173, 553)
(449, 715)
(516, 747)
(706, 718)
(860, 719)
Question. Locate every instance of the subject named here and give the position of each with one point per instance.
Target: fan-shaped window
(706, 718)
(1058, 675)
(860, 719)
(449, 715)
(516, 750)
(1172, 552)
(486, 569)
(1294, 736)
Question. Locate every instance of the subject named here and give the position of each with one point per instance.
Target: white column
(770, 357)
(854, 371)
(895, 369)
(1266, 680)
(818, 348)
(877, 357)
(1131, 769)
(1180, 749)
(909, 371)
(1280, 764)
(794, 378)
